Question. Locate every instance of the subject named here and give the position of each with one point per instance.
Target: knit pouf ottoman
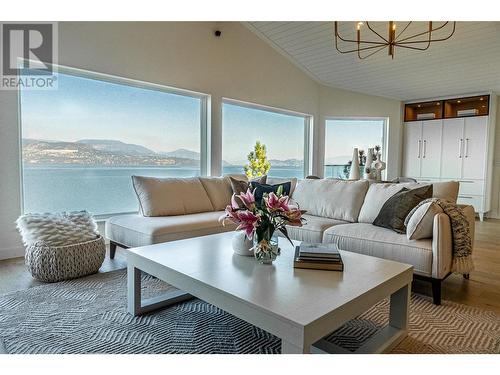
(61, 246)
(57, 263)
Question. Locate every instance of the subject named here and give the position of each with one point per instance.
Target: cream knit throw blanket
(462, 244)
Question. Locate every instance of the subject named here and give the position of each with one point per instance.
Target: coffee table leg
(289, 348)
(136, 306)
(400, 305)
(133, 290)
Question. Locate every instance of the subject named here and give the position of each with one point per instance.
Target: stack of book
(318, 257)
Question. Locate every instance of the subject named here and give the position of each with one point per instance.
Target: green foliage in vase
(258, 165)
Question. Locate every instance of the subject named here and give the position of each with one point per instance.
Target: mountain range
(113, 152)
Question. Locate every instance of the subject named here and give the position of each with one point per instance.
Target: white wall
(187, 55)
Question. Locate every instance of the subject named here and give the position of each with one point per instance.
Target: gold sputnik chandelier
(369, 41)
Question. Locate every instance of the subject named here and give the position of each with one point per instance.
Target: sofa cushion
(420, 221)
(313, 230)
(170, 196)
(335, 199)
(377, 195)
(219, 191)
(384, 243)
(135, 230)
(445, 190)
(393, 213)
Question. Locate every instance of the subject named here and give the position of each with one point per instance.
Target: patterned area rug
(88, 316)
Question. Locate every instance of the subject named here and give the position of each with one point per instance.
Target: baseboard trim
(11, 252)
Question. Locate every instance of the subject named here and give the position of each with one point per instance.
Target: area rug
(89, 315)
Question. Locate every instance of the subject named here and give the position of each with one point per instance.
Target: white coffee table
(297, 305)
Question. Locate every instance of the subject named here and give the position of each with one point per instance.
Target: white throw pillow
(377, 195)
(420, 221)
(57, 229)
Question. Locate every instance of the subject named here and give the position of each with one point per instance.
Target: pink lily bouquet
(260, 220)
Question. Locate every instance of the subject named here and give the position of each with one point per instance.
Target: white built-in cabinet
(453, 149)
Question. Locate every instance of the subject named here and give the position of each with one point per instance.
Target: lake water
(101, 191)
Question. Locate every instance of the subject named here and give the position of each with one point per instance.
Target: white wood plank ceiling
(468, 62)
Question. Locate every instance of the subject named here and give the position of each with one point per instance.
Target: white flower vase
(242, 245)
(354, 172)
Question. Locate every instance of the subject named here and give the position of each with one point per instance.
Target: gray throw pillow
(393, 213)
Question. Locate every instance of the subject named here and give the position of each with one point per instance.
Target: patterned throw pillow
(393, 213)
(57, 229)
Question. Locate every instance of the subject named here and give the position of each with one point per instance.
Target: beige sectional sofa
(339, 212)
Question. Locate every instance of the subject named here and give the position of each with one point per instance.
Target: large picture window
(285, 135)
(82, 142)
(342, 135)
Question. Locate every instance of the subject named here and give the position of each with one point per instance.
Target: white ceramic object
(242, 245)
(354, 172)
(367, 172)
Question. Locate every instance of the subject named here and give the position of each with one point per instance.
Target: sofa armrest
(441, 246)
(442, 241)
(470, 214)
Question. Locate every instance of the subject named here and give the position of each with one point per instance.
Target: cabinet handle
(419, 147)
(466, 147)
(467, 182)
(425, 148)
(462, 196)
(460, 142)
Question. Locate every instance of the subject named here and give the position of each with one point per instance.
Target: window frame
(205, 120)
(308, 126)
(385, 135)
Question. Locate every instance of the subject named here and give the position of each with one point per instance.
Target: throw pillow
(279, 180)
(377, 195)
(261, 189)
(57, 229)
(241, 186)
(393, 213)
(420, 221)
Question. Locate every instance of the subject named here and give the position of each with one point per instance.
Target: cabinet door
(431, 148)
(413, 148)
(475, 147)
(452, 151)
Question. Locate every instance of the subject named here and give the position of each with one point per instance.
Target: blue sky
(83, 108)
(341, 136)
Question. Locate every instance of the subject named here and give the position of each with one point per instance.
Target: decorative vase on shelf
(354, 172)
(266, 248)
(242, 245)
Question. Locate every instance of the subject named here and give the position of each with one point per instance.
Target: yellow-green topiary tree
(258, 165)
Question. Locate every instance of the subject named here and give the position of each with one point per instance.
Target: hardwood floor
(481, 290)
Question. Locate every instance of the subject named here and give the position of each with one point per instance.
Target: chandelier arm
(371, 54)
(373, 31)
(355, 41)
(415, 48)
(361, 49)
(402, 31)
(431, 40)
(428, 32)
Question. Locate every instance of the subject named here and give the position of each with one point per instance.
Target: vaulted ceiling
(468, 62)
